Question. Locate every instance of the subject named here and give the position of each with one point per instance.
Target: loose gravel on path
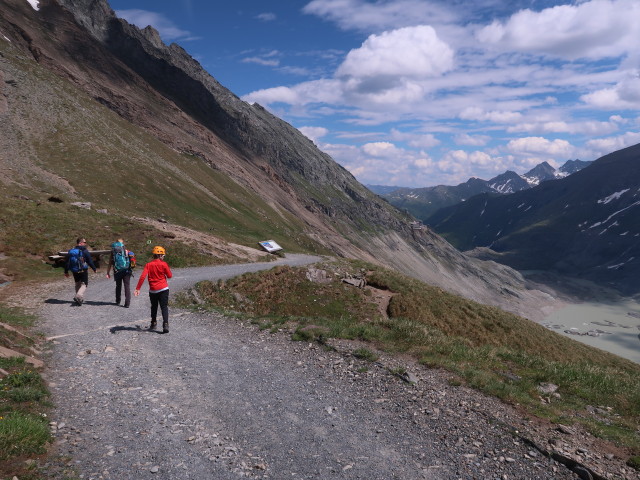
(217, 398)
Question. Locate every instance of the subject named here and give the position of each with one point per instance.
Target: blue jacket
(87, 258)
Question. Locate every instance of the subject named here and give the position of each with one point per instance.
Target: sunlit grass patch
(24, 400)
(22, 386)
(22, 433)
(16, 317)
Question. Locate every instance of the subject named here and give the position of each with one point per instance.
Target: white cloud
(478, 114)
(378, 16)
(266, 17)
(624, 95)
(267, 62)
(383, 163)
(472, 140)
(538, 145)
(593, 29)
(602, 146)
(463, 157)
(324, 91)
(406, 52)
(314, 133)
(381, 149)
(585, 128)
(415, 140)
(35, 4)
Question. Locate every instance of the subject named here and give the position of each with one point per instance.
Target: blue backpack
(77, 262)
(120, 257)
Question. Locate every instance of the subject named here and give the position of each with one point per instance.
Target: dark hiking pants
(123, 278)
(162, 299)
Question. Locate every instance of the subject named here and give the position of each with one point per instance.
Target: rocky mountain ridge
(424, 202)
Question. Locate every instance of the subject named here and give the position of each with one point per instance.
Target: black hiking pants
(121, 278)
(162, 299)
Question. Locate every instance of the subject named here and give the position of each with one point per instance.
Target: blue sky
(424, 92)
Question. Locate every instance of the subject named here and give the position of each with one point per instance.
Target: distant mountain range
(424, 202)
(587, 224)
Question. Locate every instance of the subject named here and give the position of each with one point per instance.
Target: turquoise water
(612, 326)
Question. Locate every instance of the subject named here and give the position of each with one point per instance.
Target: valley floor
(594, 315)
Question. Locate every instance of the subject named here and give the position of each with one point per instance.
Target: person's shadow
(94, 302)
(57, 301)
(135, 328)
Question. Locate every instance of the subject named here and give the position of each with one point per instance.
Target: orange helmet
(158, 250)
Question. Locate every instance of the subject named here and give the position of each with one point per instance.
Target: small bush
(365, 354)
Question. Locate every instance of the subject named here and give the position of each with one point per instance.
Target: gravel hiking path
(217, 398)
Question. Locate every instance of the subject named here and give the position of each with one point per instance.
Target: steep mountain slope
(585, 224)
(424, 202)
(98, 110)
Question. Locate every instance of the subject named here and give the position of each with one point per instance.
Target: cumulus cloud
(602, 146)
(384, 163)
(463, 157)
(325, 91)
(406, 52)
(624, 95)
(540, 145)
(381, 149)
(593, 29)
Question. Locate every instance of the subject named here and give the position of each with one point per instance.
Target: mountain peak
(540, 173)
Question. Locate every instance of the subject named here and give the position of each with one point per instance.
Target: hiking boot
(153, 325)
(165, 327)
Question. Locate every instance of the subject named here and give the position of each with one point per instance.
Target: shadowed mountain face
(586, 224)
(424, 202)
(85, 96)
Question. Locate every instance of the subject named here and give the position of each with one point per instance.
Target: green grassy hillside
(62, 145)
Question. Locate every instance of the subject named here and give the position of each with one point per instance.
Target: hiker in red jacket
(158, 272)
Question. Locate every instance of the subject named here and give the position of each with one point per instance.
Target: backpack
(120, 257)
(77, 262)
(132, 260)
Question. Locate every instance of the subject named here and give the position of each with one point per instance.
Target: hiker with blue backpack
(78, 262)
(122, 261)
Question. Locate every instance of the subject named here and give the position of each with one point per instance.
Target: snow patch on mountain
(613, 196)
(597, 224)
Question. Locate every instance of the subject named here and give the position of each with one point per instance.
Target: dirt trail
(219, 399)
